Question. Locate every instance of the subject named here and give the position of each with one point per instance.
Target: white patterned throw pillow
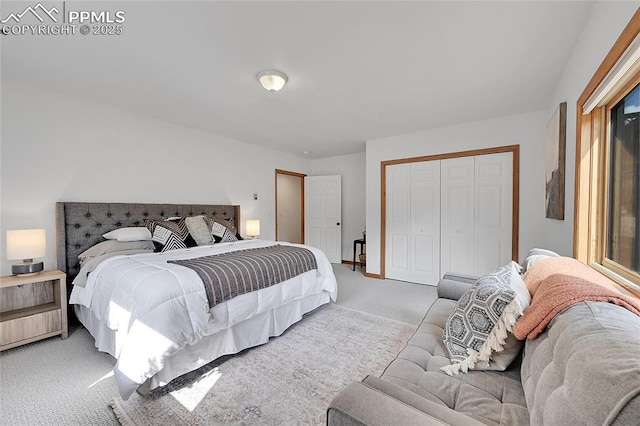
(169, 234)
(479, 327)
(222, 234)
(223, 230)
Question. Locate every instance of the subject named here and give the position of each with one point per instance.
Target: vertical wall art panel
(555, 153)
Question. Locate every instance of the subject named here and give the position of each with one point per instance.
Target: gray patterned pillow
(223, 230)
(478, 327)
(222, 234)
(169, 234)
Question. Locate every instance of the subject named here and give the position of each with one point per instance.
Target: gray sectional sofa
(583, 370)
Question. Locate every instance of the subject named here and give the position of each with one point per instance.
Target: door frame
(514, 149)
(301, 176)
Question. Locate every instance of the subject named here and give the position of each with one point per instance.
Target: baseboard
(349, 262)
(366, 274)
(377, 276)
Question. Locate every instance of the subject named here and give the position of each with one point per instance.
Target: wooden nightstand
(32, 308)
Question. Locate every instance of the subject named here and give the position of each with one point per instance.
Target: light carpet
(290, 380)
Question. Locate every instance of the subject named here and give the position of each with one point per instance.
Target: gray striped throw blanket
(232, 274)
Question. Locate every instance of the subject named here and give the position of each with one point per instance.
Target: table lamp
(253, 228)
(26, 244)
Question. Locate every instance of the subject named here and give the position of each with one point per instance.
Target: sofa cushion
(361, 404)
(494, 398)
(585, 369)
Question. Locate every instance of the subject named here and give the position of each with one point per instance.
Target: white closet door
(493, 211)
(413, 222)
(457, 215)
(451, 215)
(398, 224)
(424, 251)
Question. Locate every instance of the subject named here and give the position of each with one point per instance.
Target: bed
(154, 315)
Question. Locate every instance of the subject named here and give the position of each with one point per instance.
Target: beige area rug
(290, 380)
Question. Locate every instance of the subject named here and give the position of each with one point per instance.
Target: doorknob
(338, 223)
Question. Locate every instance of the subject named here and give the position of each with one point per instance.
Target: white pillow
(111, 246)
(91, 263)
(133, 233)
(535, 255)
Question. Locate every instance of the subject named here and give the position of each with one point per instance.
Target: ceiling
(357, 70)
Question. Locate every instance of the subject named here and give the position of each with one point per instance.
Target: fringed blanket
(232, 274)
(558, 282)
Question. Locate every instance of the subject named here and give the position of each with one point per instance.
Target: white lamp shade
(253, 227)
(272, 80)
(26, 243)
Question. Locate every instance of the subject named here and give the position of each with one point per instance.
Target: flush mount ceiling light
(272, 80)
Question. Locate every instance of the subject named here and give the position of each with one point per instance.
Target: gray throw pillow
(477, 333)
(199, 230)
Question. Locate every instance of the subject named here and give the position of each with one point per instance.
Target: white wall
(353, 171)
(59, 148)
(605, 24)
(526, 130)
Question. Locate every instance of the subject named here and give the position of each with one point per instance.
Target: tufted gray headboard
(81, 225)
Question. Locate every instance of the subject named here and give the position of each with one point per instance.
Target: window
(621, 251)
(607, 204)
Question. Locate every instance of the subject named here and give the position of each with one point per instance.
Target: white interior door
(493, 211)
(413, 222)
(425, 222)
(398, 224)
(323, 215)
(457, 215)
(477, 194)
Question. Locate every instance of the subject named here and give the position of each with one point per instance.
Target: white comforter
(157, 308)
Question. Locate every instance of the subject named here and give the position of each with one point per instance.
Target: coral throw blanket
(556, 283)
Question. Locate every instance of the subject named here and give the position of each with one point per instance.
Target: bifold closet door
(449, 215)
(457, 215)
(413, 222)
(493, 220)
(477, 194)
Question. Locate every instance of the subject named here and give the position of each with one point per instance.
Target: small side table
(362, 242)
(34, 307)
